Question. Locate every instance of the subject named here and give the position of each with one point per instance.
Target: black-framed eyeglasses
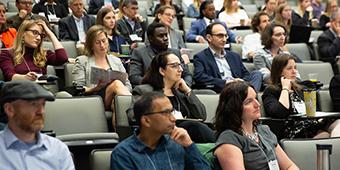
(176, 65)
(37, 33)
(26, 3)
(221, 35)
(166, 112)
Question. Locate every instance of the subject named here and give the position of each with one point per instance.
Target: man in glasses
(159, 143)
(25, 12)
(215, 66)
(141, 57)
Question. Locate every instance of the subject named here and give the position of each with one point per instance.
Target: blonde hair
(227, 7)
(279, 19)
(39, 54)
(91, 35)
(197, 4)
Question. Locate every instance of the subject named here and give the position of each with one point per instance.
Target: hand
(22, 13)
(99, 86)
(182, 86)
(45, 27)
(133, 46)
(31, 76)
(238, 39)
(139, 18)
(286, 83)
(181, 137)
(201, 39)
(309, 9)
(250, 54)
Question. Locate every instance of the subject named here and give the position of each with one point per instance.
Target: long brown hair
(279, 19)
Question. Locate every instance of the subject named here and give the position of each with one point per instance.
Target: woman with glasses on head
(96, 48)
(164, 74)
(7, 34)
(28, 59)
(242, 142)
(107, 18)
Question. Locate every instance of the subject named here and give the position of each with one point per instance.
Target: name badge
(273, 165)
(178, 114)
(52, 18)
(134, 37)
(300, 107)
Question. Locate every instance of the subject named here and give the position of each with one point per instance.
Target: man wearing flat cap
(22, 146)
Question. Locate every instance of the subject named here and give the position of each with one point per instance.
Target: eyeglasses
(169, 15)
(176, 65)
(280, 34)
(166, 112)
(27, 3)
(221, 35)
(37, 33)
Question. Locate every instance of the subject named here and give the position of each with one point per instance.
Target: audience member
(7, 34)
(96, 47)
(233, 15)
(269, 8)
(96, 5)
(178, 9)
(279, 2)
(242, 142)
(252, 42)
(107, 18)
(52, 10)
(331, 7)
(273, 38)
(283, 16)
(164, 75)
(75, 26)
(131, 25)
(28, 59)
(303, 15)
(159, 143)
(22, 145)
(193, 9)
(166, 15)
(284, 97)
(214, 66)
(141, 57)
(329, 42)
(207, 16)
(318, 8)
(25, 13)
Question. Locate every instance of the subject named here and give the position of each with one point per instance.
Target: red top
(56, 58)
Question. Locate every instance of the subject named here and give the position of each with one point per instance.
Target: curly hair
(39, 54)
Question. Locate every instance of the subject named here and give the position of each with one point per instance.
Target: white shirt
(251, 43)
(232, 20)
(223, 65)
(80, 28)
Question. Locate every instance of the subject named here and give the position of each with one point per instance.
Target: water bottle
(323, 158)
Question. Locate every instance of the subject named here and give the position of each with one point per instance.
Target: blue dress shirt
(47, 153)
(132, 153)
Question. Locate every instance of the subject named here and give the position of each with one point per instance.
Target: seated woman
(283, 16)
(52, 9)
(242, 142)
(28, 59)
(331, 7)
(284, 97)
(194, 8)
(303, 15)
(164, 74)
(179, 12)
(7, 35)
(107, 18)
(233, 15)
(96, 47)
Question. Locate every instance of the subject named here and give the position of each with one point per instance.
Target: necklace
(253, 136)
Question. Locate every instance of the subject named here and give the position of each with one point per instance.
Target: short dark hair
(152, 75)
(230, 107)
(124, 3)
(256, 21)
(209, 28)
(152, 27)
(144, 104)
(266, 36)
(203, 6)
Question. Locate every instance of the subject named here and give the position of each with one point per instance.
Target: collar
(140, 146)
(333, 32)
(78, 19)
(53, 3)
(128, 19)
(216, 54)
(207, 20)
(11, 140)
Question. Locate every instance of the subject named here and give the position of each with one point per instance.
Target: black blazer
(125, 29)
(68, 29)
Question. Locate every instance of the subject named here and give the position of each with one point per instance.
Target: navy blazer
(68, 28)
(207, 74)
(198, 28)
(125, 29)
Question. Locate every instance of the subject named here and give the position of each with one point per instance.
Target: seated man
(329, 42)
(25, 12)
(207, 15)
(141, 57)
(131, 26)
(96, 5)
(215, 66)
(22, 145)
(75, 26)
(159, 144)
